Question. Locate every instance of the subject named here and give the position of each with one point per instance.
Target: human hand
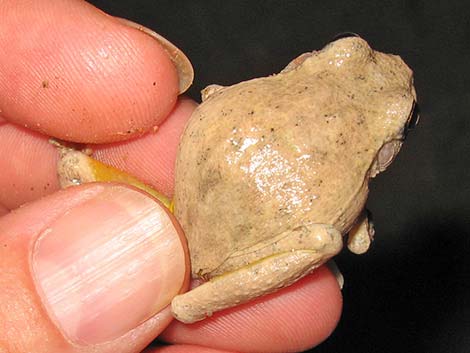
(93, 268)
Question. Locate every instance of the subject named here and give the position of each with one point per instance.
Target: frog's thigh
(361, 235)
(258, 278)
(322, 238)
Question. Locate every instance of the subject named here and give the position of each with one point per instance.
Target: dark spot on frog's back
(208, 182)
(242, 230)
(226, 111)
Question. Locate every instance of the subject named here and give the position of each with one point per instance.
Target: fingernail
(180, 60)
(107, 265)
(331, 264)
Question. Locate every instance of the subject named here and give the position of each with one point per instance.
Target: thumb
(88, 269)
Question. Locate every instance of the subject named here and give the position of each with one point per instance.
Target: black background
(411, 292)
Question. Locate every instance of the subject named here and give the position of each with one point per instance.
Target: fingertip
(89, 78)
(40, 281)
(294, 319)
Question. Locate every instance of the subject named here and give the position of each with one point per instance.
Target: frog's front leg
(259, 277)
(362, 234)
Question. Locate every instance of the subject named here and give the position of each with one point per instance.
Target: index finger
(70, 71)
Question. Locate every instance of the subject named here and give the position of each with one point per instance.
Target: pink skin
(293, 319)
(3, 210)
(80, 74)
(92, 103)
(28, 171)
(141, 157)
(21, 309)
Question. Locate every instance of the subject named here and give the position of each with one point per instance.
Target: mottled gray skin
(273, 171)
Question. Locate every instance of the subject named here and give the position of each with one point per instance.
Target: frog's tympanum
(272, 172)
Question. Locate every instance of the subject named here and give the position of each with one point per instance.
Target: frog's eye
(413, 119)
(387, 154)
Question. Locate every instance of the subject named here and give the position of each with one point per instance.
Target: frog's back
(268, 155)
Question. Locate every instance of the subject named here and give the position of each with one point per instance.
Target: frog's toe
(361, 235)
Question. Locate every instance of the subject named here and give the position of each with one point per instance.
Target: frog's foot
(256, 279)
(362, 234)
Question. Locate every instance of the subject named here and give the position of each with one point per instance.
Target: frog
(272, 173)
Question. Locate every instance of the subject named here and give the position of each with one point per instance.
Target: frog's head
(385, 84)
(382, 83)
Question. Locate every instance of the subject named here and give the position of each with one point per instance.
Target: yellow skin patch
(76, 167)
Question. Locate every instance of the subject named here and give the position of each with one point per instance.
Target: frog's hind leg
(256, 279)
